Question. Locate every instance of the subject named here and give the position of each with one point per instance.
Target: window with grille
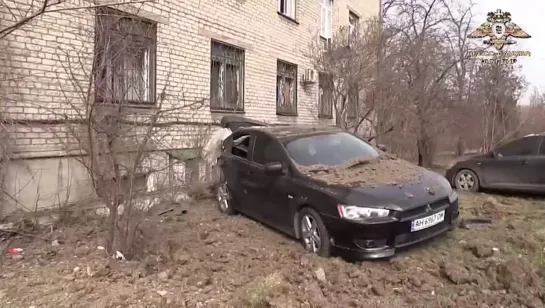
(226, 78)
(125, 58)
(286, 88)
(325, 96)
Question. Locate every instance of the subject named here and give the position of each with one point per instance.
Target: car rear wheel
(314, 234)
(224, 199)
(466, 180)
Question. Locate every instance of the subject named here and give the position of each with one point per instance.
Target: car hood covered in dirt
(385, 182)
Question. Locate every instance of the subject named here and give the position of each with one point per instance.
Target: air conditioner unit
(309, 76)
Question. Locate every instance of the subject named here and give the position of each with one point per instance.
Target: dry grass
(258, 296)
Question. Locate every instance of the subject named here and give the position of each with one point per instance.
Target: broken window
(241, 146)
(227, 78)
(325, 96)
(286, 88)
(353, 27)
(125, 47)
(287, 8)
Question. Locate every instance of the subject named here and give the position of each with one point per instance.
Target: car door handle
(525, 162)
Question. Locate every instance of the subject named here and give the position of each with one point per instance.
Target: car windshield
(333, 149)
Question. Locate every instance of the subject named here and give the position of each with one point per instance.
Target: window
(267, 150)
(353, 27)
(287, 8)
(286, 88)
(326, 27)
(520, 147)
(125, 47)
(352, 105)
(241, 145)
(325, 96)
(226, 78)
(333, 149)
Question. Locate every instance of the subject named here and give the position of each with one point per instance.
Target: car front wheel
(314, 235)
(466, 180)
(224, 199)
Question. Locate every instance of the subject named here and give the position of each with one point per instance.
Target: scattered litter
(320, 274)
(475, 223)
(15, 251)
(119, 256)
(55, 243)
(495, 249)
(101, 248)
(162, 293)
(7, 227)
(77, 269)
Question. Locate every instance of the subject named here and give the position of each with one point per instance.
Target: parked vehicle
(263, 177)
(518, 165)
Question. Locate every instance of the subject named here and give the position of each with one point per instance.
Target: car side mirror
(382, 147)
(274, 168)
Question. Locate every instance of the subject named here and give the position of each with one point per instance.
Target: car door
(513, 164)
(274, 190)
(236, 168)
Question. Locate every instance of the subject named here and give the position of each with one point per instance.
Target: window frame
(290, 11)
(239, 108)
(272, 141)
(237, 135)
(322, 86)
(283, 75)
(99, 52)
(353, 29)
(326, 10)
(353, 102)
(514, 142)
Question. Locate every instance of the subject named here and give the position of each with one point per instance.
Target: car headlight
(354, 212)
(453, 196)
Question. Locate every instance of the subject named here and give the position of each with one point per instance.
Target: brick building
(243, 56)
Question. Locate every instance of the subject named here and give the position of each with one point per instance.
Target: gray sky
(528, 14)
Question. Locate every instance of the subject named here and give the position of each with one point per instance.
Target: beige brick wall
(37, 59)
(44, 69)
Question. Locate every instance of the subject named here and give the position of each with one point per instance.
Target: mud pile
(385, 169)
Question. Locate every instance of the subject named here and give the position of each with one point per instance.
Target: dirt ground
(216, 261)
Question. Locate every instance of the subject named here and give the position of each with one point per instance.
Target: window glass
(520, 147)
(267, 150)
(329, 149)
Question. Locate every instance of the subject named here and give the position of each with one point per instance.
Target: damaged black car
(332, 191)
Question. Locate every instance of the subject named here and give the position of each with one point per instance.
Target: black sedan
(518, 165)
(261, 177)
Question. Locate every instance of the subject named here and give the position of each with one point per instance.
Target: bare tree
(347, 70)
(120, 141)
(117, 123)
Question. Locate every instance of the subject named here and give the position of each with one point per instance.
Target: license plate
(426, 222)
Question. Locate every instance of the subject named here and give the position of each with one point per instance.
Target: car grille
(410, 238)
(410, 214)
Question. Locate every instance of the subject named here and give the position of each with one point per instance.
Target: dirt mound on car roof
(385, 169)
